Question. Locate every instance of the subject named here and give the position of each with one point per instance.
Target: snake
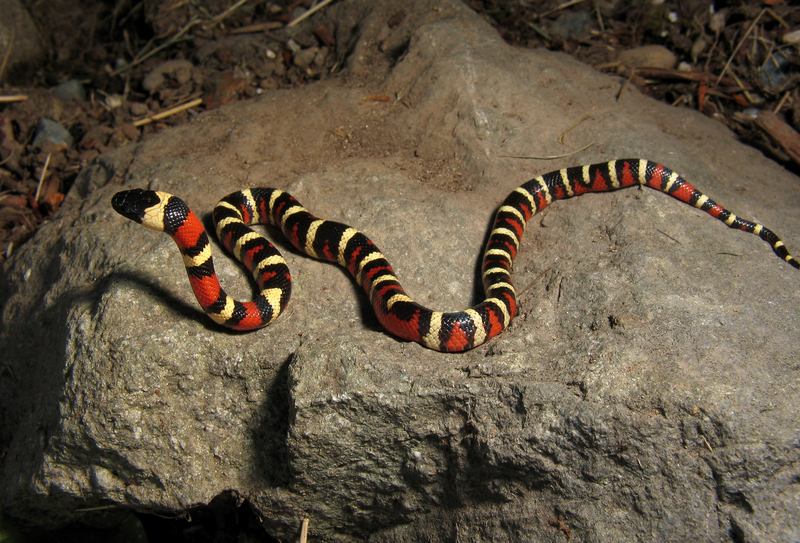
(332, 241)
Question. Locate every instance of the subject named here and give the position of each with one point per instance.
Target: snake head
(145, 207)
(132, 204)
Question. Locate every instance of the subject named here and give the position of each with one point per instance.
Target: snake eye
(132, 204)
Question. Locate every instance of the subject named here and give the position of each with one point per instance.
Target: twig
(97, 508)
(41, 178)
(176, 5)
(681, 99)
(7, 54)
(258, 27)
(599, 18)
(164, 45)
(304, 531)
(562, 6)
(130, 13)
(711, 51)
(219, 18)
(13, 98)
(736, 50)
(670, 237)
(552, 157)
(310, 12)
(168, 112)
(539, 31)
(770, 57)
(781, 133)
(744, 90)
(778, 18)
(625, 85)
(780, 104)
(707, 443)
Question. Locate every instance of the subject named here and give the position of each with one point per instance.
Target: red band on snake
(336, 242)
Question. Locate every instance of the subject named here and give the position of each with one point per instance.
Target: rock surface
(647, 389)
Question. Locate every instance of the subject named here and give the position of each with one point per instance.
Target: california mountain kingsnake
(336, 242)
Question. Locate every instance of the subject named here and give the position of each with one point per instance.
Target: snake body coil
(336, 242)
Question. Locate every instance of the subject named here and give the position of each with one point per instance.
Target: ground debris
(129, 71)
(742, 58)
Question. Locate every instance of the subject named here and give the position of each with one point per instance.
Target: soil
(125, 56)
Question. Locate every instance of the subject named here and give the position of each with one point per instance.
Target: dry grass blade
(224, 15)
(7, 54)
(551, 157)
(739, 45)
(168, 112)
(667, 235)
(562, 6)
(567, 131)
(304, 531)
(626, 84)
(258, 27)
(310, 12)
(781, 103)
(13, 98)
(41, 178)
(164, 45)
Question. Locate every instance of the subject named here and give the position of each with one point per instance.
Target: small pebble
(139, 109)
(305, 57)
(649, 56)
(698, 47)
(293, 46)
(53, 132)
(571, 24)
(791, 38)
(180, 70)
(319, 58)
(751, 112)
(717, 21)
(114, 101)
(70, 90)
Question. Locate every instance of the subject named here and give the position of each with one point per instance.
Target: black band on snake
(336, 242)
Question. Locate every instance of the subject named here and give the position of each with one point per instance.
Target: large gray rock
(647, 389)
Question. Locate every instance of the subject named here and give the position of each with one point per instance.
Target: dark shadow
(270, 430)
(226, 518)
(150, 288)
